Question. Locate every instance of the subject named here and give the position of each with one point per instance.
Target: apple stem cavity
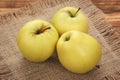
(77, 11)
(42, 30)
(67, 38)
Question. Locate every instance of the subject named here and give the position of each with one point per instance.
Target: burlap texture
(13, 66)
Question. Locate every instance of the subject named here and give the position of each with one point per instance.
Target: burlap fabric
(13, 66)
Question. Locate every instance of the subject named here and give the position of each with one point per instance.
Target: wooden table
(111, 8)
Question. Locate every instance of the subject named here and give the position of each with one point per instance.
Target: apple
(78, 52)
(70, 18)
(37, 40)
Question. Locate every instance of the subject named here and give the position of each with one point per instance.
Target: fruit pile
(77, 51)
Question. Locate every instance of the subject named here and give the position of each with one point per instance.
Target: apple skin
(78, 52)
(37, 47)
(64, 20)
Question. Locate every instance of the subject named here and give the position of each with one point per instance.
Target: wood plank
(105, 5)
(113, 18)
(14, 3)
(111, 8)
(6, 10)
(108, 5)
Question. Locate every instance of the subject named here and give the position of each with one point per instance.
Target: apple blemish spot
(98, 66)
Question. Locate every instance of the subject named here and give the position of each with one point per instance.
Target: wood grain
(113, 18)
(108, 5)
(14, 3)
(111, 8)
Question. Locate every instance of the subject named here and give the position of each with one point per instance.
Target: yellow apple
(70, 18)
(78, 52)
(37, 40)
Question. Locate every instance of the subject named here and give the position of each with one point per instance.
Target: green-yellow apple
(70, 18)
(37, 40)
(78, 52)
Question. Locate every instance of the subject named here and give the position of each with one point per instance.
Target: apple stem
(77, 11)
(44, 29)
